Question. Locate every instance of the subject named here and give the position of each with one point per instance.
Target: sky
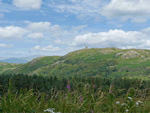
(57, 27)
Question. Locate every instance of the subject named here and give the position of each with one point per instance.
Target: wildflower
(124, 104)
(92, 111)
(51, 110)
(117, 102)
(94, 86)
(137, 103)
(110, 90)
(130, 98)
(81, 98)
(127, 110)
(68, 86)
(140, 101)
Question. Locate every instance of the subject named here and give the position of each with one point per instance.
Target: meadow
(81, 100)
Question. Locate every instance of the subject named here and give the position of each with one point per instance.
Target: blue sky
(57, 27)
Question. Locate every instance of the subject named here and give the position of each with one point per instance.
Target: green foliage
(94, 99)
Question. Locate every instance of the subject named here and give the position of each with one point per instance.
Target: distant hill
(31, 57)
(20, 60)
(14, 60)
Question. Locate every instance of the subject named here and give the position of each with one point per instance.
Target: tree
(55, 78)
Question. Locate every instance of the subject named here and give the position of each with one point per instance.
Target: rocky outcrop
(58, 62)
(34, 60)
(13, 64)
(3, 64)
(120, 53)
(130, 54)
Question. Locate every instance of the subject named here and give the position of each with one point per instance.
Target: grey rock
(92, 58)
(118, 54)
(130, 54)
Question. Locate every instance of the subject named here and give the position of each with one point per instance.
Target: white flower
(140, 101)
(137, 103)
(127, 110)
(51, 110)
(117, 102)
(130, 98)
(124, 104)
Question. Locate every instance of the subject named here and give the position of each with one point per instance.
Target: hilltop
(89, 62)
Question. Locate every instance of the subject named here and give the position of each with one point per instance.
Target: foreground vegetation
(78, 95)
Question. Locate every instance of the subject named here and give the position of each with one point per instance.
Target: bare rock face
(34, 60)
(147, 53)
(58, 62)
(120, 53)
(130, 54)
(92, 58)
(142, 56)
(12, 64)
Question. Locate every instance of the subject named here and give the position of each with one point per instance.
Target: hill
(29, 58)
(14, 60)
(105, 62)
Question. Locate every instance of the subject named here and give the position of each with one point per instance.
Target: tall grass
(73, 101)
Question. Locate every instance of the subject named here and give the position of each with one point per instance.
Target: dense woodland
(45, 84)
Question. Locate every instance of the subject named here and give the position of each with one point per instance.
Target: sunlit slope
(87, 62)
(8, 66)
(76, 60)
(35, 64)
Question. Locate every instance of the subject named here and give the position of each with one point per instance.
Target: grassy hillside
(8, 66)
(90, 62)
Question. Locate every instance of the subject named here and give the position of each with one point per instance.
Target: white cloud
(57, 41)
(28, 4)
(70, 49)
(36, 48)
(138, 20)
(7, 46)
(44, 27)
(46, 48)
(53, 30)
(38, 26)
(82, 9)
(50, 48)
(112, 38)
(146, 31)
(138, 10)
(12, 32)
(36, 35)
(78, 27)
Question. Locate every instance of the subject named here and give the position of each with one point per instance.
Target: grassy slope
(35, 64)
(8, 66)
(42, 65)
